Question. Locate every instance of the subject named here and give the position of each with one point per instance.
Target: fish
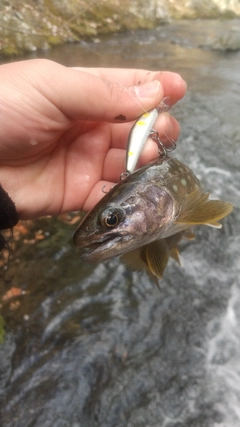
(144, 217)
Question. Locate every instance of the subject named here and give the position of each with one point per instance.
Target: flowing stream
(101, 346)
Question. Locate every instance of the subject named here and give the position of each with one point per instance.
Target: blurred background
(99, 345)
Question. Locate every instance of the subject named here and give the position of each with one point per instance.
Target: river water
(101, 346)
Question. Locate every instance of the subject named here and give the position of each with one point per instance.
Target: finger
(173, 84)
(114, 165)
(168, 129)
(82, 95)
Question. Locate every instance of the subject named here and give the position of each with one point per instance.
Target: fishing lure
(140, 132)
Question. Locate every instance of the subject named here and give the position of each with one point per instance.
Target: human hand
(62, 134)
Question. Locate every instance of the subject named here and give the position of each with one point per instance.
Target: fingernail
(147, 90)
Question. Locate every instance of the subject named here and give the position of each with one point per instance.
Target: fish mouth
(103, 248)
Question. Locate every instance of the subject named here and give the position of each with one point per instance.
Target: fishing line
(74, 18)
(132, 96)
(79, 14)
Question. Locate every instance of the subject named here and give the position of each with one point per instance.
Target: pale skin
(63, 131)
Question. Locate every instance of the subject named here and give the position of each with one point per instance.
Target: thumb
(82, 95)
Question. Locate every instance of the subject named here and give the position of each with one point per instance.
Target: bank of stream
(42, 24)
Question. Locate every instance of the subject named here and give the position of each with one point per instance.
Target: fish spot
(183, 182)
(175, 187)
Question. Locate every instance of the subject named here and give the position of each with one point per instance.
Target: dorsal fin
(198, 209)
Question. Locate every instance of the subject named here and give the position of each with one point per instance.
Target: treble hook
(155, 136)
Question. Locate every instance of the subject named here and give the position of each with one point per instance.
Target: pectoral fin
(197, 209)
(157, 255)
(174, 254)
(154, 256)
(135, 259)
(172, 242)
(189, 235)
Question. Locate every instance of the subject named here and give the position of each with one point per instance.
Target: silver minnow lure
(139, 134)
(138, 137)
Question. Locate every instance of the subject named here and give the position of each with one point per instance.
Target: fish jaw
(102, 247)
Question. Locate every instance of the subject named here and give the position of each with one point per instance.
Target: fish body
(146, 215)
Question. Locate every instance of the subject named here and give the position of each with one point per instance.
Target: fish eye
(110, 219)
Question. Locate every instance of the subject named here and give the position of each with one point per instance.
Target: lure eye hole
(111, 220)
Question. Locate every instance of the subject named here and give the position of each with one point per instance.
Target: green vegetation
(28, 26)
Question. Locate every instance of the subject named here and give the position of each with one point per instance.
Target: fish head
(123, 220)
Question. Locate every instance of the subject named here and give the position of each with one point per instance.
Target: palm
(67, 173)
